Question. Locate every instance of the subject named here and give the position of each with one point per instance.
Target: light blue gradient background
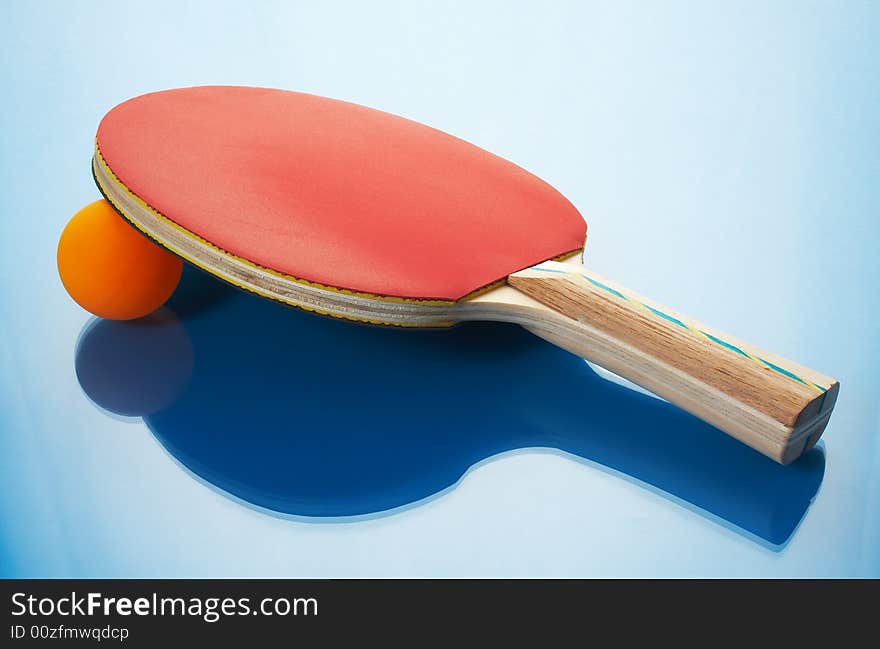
(725, 156)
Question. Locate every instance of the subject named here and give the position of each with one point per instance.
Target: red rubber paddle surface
(336, 193)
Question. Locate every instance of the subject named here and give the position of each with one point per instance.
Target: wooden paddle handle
(769, 403)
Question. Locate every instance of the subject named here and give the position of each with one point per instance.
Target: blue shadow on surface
(311, 416)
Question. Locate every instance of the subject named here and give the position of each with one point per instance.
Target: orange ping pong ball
(110, 269)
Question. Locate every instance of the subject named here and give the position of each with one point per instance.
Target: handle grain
(769, 403)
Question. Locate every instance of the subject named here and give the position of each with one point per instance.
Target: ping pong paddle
(355, 213)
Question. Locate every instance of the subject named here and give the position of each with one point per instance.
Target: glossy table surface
(724, 158)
